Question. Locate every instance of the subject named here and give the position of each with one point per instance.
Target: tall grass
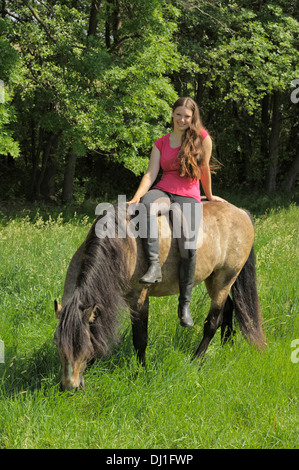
(238, 399)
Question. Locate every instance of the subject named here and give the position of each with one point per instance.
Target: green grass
(238, 399)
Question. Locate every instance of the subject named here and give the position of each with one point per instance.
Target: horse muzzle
(72, 385)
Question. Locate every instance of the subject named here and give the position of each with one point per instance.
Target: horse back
(224, 241)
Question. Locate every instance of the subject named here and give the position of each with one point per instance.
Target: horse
(102, 283)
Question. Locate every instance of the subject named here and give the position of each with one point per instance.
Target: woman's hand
(217, 199)
(135, 200)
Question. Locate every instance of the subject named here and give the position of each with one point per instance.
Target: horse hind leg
(220, 314)
(212, 323)
(227, 330)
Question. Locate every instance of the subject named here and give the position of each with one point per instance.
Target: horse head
(74, 345)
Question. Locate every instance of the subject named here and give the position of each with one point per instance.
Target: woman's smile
(182, 118)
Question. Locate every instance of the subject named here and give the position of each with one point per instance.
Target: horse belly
(224, 242)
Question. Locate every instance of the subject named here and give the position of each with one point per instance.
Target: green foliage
(246, 55)
(261, 59)
(8, 74)
(102, 85)
(94, 97)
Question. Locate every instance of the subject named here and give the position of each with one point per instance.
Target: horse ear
(57, 308)
(89, 314)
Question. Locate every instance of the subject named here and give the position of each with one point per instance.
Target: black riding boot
(151, 250)
(186, 280)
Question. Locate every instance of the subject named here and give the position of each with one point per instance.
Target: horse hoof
(186, 324)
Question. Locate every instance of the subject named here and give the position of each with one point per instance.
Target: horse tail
(247, 305)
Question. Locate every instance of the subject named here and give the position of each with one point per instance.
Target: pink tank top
(171, 181)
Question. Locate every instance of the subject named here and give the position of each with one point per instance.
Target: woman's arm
(205, 172)
(149, 177)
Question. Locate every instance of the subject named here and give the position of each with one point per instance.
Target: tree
(92, 80)
(8, 75)
(95, 78)
(246, 55)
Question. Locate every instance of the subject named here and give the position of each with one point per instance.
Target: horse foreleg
(139, 305)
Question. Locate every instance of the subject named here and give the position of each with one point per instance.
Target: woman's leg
(155, 201)
(187, 215)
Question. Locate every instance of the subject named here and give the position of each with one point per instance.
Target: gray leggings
(185, 214)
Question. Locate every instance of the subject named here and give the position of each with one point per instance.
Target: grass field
(239, 398)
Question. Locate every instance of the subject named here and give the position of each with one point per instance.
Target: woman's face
(182, 118)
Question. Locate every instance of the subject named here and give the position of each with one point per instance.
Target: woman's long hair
(191, 153)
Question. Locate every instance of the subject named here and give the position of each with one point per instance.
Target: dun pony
(102, 282)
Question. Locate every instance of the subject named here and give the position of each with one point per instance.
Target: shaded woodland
(86, 88)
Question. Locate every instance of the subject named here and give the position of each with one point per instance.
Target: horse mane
(102, 279)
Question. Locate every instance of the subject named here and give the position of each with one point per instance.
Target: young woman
(184, 157)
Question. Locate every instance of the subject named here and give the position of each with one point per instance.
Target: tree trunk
(113, 26)
(246, 154)
(93, 18)
(291, 177)
(273, 144)
(107, 35)
(3, 9)
(48, 182)
(116, 21)
(69, 175)
(265, 128)
(35, 155)
(199, 89)
(52, 143)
